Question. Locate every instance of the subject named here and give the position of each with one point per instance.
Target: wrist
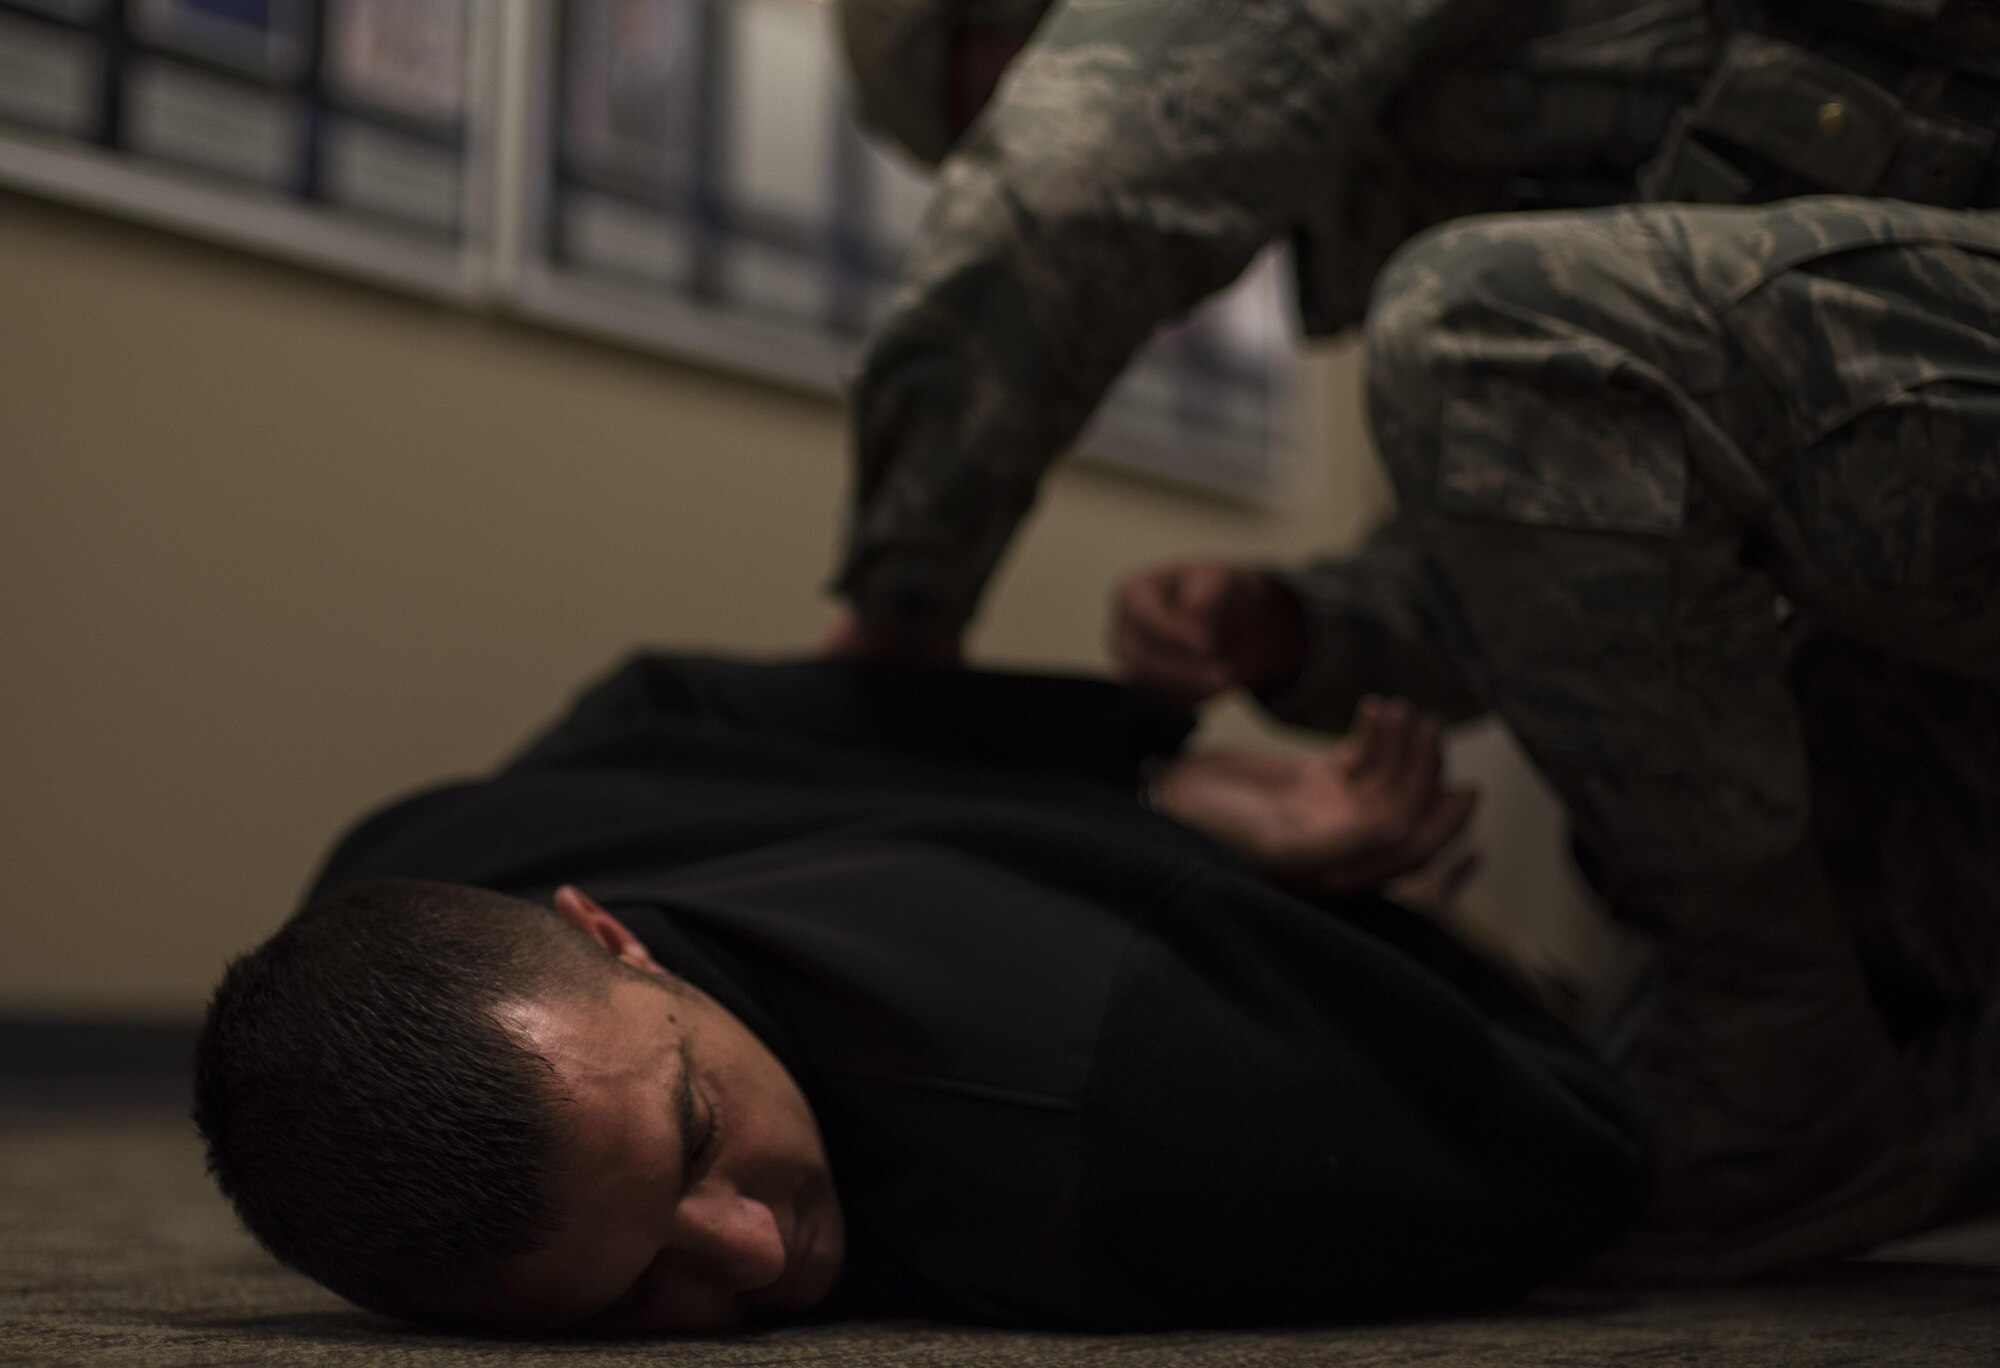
(852, 637)
(1273, 652)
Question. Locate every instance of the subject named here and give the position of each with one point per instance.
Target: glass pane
(404, 57)
(267, 37)
(633, 85)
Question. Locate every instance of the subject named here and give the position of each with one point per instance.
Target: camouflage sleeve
(1371, 627)
(1140, 155)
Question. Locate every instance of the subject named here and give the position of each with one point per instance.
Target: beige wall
(276, 546)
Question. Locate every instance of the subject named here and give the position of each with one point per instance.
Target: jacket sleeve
(1355, 1116)
(1134, 163)
(1375, 623)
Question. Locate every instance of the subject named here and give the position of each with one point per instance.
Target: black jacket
(1075, 1065)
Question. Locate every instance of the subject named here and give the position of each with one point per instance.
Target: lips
(805, 1281)
(798, 1267)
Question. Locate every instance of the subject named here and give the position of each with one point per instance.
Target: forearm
(1139, 158)
(1372, 626)
(1020, 307)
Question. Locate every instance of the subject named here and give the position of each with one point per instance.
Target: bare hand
(1186, 631)
(849, 638)
(1371, 809)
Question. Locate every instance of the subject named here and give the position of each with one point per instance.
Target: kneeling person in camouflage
(1623, 439)
(1705, 504)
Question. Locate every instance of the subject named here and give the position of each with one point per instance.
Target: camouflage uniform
(1621, 439)
(1140, 155)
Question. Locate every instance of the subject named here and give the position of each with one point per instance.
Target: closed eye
(695, 1127)
(704, 1152)
(698, 1120)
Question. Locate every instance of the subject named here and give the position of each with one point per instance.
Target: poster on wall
(407, 181)
(403, 58)
(341, 133)
(397, 71)
(702, 174)
(51, 79)
(632, 82)
(186, 116)
(781, 176)
(684, 176)
(269, 38)
(201, 114)
(708, 192)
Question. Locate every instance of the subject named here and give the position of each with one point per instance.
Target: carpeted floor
(114, 1250)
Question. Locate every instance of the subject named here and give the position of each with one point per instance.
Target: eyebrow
(682, 1103)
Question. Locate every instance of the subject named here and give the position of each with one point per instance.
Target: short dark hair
(372, 1121)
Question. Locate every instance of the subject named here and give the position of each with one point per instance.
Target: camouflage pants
(1631, 441)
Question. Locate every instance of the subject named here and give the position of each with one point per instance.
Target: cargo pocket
(1591, 454)
(1774, 121)
(1905, 494)
(1883, 359)
(1562, 504)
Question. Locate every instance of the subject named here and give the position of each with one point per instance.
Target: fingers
(1261, 631)
(1367, 740)
(1397, 721)
(1165, 629)
(1171, 675)
(1441, 823)
(1397, 755)
(1407, 851)
(1433, 890)
(1428, 753)
(1418, 768)
(1456, 875)
(1195, 628)
(1199, 597)
(1166, 606)
(841, 639)
(850, 638)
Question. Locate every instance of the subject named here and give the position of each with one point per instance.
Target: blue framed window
(704, 155)
(351, 105)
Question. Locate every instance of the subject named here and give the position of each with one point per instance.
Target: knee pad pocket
(1594, 457)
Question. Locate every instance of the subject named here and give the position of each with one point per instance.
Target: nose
(725, 1245)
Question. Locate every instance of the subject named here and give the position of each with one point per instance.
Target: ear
(580, 910)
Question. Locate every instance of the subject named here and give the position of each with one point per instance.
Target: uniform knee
(1500, 294)
(1442, 311)
(1447, 297)
(1504, 321)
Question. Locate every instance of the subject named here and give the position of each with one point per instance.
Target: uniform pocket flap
(1609, 461)
(1808, 116)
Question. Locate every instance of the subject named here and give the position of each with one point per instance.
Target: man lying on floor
(892, 991)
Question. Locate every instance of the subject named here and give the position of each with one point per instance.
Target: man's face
(692, 1187)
